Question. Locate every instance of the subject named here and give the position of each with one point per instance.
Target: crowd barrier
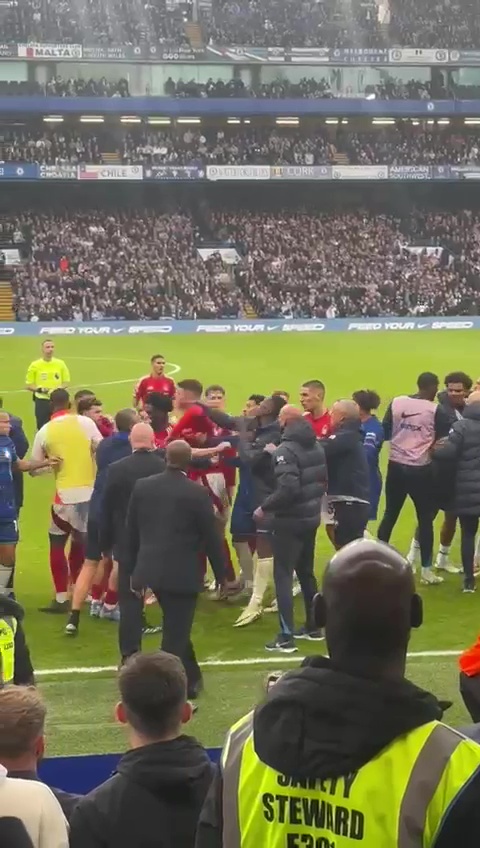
(64, 172)
(82, 774)
(272, 326)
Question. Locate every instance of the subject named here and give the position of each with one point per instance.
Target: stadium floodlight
(472, 122)
(53, 119)
(331, 121)
(383, 122)
(287, 122)
(159, 121)
(92, 119)
(443, 121)
(233, 121)
(130, 119)
(188, 121)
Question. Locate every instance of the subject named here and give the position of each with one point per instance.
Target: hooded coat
(462, 452)
(300, 480)
(319, 722)
(152, 801)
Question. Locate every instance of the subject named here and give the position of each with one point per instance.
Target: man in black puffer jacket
(292, 511)
(462, 448)
(348, 475)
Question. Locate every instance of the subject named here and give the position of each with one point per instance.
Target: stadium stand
(94, 265)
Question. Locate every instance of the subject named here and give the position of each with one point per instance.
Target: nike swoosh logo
(409, 414)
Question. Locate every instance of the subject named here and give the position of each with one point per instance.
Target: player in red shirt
(156, 381)
(312, 398)
(199, 431)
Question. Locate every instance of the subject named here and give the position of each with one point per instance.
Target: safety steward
(345, 751)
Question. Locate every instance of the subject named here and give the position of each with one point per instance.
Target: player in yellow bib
(44, 375)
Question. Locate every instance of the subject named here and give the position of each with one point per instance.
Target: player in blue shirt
(373, 438)
(9, 461)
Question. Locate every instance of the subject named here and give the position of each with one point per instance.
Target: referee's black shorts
(43, 410)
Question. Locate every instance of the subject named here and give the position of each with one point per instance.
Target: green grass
(81, 706)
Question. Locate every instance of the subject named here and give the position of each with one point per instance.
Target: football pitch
(77, 676)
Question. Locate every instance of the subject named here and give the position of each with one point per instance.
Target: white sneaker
(413, 555)
(428, 577)
(445, 565)
(273, 606)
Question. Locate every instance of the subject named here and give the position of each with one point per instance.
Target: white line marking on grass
(174, 369)
(213, 663)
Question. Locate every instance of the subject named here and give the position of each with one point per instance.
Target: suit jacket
(121, 478)
(170, 523)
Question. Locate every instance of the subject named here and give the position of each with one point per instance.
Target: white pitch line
(213, 663)
(174, 369)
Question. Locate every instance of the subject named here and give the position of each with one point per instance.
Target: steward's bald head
(142, 437)
(369, 606)
(179, 455)
(288, 413)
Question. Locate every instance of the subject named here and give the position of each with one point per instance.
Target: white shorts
(68, 517)
(327, 511)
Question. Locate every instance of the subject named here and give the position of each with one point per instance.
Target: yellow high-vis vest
(8, 628)
(397, 800)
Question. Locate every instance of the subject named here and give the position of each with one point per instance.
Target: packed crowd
(49, 148)
(263, 23)
(399, 145)
(101, 265)
(116, 22)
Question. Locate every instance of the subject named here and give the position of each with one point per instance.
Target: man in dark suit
(121, 478)
(170, 523)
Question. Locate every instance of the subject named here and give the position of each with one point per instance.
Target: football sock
(58, 564)
(245, 560)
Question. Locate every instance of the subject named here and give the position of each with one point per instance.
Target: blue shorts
(241, 523)
(8, 532)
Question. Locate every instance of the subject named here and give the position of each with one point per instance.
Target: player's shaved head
(345, 409)
(125, 420)
(142, 436)
(474, 397)
(179, 454)
(288, 413)
(368, 606)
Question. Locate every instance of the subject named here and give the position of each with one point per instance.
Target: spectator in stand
(22, 738)
(31, 804)
(157, 792)
(339, 726)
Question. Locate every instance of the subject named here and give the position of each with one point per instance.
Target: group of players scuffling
(245, 444)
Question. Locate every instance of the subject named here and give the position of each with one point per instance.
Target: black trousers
(178, 614)
(294, 552)
(468, 527)
(43, 410)
(470, 692)
(131, 616)
(415, 482)
(351, 519)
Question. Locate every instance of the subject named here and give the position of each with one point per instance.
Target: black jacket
(67, 800)
(300, 477)
(347, 464)
(121, 478)
(452, 413)
(463, 449)
(23, 671)
(13, 833)
(260, 462)
(317, 722)
(153, 800)
(170, 522)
